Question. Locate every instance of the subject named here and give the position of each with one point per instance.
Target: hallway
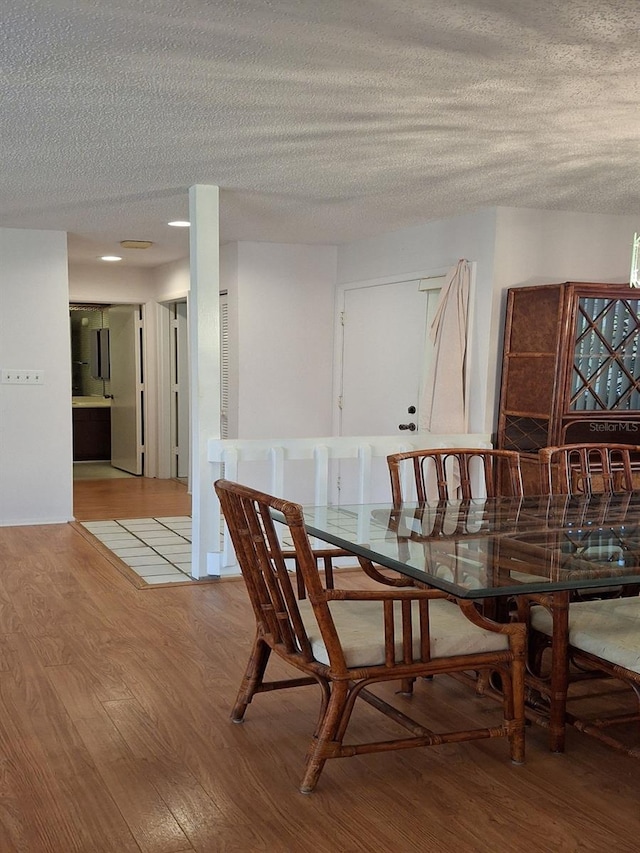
(130, 497)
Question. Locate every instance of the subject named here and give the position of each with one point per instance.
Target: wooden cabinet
(91, 433)
(571, 368)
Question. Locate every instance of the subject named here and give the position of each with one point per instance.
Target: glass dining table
(535, 549)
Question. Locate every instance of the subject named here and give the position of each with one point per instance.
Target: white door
(125, 333)
(180, 429)
(384, 354)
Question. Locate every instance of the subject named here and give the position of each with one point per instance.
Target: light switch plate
(22, 377)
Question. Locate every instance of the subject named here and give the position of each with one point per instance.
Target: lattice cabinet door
(605, 375)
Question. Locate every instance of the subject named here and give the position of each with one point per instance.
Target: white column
(204, 344)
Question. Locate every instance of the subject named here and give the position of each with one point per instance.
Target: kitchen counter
(90, 403)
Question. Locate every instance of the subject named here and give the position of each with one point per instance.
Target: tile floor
(97, 471)
(156, 549)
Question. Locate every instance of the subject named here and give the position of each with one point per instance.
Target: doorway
(107, 390)
(109, 483)
(174, 400)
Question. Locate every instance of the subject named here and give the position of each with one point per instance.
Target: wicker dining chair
(451, 473)
(602, 644)
(464, 473)
(581, 471)
(578, 469)
(347, 640)
(584, 470)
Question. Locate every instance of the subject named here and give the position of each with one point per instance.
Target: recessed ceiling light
(179, 223)
(110, 258)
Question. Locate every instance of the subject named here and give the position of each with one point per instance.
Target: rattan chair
(602, 644)
(585, 469)
(457, 473)
(603, 622)
(347, 640)
(464, 473)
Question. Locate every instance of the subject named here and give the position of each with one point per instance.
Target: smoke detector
(135, 244)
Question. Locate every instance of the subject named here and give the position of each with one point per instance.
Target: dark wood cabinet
(91, 433)
(571, 368)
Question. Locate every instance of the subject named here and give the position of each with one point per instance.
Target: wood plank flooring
(115, 737)
(133, 497)
(115, 734)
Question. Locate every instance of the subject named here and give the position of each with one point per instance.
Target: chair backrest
(585, 469)
(262, 562)
(457, 473)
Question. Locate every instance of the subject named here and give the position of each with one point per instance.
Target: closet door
(383, 356)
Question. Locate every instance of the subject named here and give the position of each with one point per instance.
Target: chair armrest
(474, 615)
(374, 572)
(384, 595)
(467, 607)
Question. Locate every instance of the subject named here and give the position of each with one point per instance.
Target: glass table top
(502, 546)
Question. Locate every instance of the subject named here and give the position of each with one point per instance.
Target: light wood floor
(115, 736)
(134, 497)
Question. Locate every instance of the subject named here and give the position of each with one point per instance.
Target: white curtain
(443, 406)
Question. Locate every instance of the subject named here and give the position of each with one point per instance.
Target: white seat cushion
(360, 626)
(609, 629)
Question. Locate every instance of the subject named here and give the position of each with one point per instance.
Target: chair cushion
(609, 629)
(360, 626)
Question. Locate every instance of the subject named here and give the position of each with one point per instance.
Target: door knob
(411, 427)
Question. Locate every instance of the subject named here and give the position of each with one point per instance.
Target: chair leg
(406, 686)
(252, 678)
(513, 704)
(332, 722)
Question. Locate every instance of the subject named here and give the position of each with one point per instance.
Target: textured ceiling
(320, 120)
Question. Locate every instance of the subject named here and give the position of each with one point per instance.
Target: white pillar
(204, 344)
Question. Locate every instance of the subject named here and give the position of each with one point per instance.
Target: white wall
(281, 309)
(285, 312)
(229, 266)
(171, 281)
(546, 247)
(511, 247)
(436, 246)
(110, 282)
(35, 420)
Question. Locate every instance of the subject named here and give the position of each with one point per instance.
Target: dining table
(503, 552)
